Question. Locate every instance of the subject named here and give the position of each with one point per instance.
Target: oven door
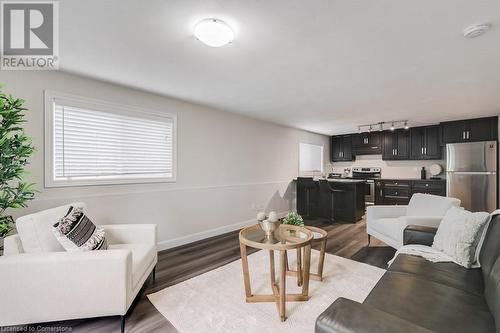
(370, 192)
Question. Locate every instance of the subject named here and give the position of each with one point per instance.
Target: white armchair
(45, 283)
(387, 223)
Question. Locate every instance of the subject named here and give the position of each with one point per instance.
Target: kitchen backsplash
(390, 169)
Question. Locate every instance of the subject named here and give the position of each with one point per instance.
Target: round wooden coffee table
(320, 237)
(286, 237)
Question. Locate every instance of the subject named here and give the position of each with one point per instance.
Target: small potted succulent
(295, 219)
(15, 149)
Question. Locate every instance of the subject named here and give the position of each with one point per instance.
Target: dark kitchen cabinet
(341, 148)
(471, 130)
(392, 192)
(367, 143)
(483, 129)
(436, 187)
(425, 143)
(396, 145)
(399, 192)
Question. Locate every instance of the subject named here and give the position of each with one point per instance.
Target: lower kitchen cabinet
(399, 192)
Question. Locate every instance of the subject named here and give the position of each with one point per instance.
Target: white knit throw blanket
(435, 255)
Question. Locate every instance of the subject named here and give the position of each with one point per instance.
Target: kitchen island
(348, 196)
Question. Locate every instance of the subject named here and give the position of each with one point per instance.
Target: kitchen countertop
(341, 180)
(412, 179)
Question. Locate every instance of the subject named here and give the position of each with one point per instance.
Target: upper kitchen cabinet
(479, 129)
(425, 143)
(396, 145)
(367, 143)
(341, 148)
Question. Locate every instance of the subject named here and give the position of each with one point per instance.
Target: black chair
(307, 197)
(327, 199)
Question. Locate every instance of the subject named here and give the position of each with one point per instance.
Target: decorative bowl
(269, 226)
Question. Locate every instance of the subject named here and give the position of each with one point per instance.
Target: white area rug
(215, 301)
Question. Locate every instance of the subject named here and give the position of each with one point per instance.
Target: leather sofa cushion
(433, 305)
(446, 273)
(142, 257)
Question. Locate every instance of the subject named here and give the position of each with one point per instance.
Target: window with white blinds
(310, 158)
(93, 144)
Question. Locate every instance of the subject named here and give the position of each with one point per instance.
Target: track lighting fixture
(381, 126)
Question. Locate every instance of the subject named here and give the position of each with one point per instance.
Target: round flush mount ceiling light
(213, 32)
(476, 30)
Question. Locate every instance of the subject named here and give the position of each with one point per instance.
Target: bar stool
(327, 198)
(307, 197)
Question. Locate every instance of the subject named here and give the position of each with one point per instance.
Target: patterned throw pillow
(76, 232)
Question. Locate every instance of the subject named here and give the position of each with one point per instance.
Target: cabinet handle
(468, 135)
(422, 150)
(463, 135)
(425, 150)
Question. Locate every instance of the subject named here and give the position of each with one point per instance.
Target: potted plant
(15, 148)
(293, 218)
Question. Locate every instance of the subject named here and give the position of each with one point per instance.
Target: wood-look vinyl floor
(182, 263)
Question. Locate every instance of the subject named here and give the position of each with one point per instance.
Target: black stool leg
(154, 274)
(122, 324)
(369, 237)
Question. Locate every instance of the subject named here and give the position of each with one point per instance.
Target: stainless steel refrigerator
(471, 174)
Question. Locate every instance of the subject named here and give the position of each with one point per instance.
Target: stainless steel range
(368, 174)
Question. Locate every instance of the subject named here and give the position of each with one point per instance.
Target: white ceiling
(322, 65)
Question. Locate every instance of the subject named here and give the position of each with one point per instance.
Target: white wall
(229, 166)
(391, 169)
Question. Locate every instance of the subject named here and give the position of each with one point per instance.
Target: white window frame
(308, 172)
(98, 105)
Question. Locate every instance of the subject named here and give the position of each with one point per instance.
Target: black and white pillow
(76, 232)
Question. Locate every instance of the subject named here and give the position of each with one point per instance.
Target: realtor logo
(29, 35)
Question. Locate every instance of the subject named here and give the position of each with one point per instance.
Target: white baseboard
(171, 243)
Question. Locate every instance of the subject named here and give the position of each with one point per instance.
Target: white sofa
(43, 282)
(387, 223)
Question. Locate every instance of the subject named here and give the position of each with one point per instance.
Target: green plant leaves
(15, 149)
(293, 219)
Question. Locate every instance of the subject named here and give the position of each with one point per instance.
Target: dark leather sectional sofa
(416, 295)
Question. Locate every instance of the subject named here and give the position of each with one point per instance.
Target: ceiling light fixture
(476, 30)
(381, 125)
(213, 32)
